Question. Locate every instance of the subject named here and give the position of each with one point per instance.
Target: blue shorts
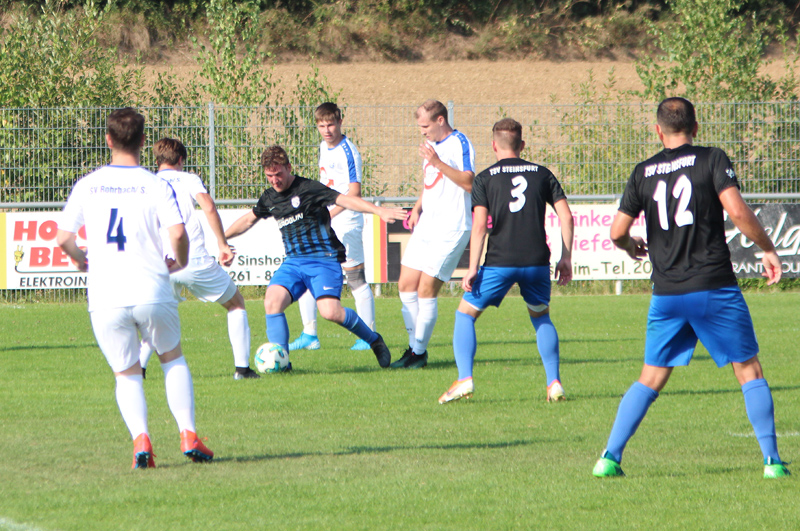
(719, 318)
(492, 284)
(322, 277)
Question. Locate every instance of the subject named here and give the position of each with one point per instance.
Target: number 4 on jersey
(115, 232)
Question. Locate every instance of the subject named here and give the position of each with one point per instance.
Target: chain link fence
(591, 148)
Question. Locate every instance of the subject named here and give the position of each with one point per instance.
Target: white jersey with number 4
(187, 186)
(446, 207)
(338, 167)
(123, 208)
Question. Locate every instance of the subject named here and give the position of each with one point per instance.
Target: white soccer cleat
(555, 392)
(460, 389)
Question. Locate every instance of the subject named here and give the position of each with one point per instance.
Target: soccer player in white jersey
(122, 206)
(440, 223)
(340, 169)
(203, 276)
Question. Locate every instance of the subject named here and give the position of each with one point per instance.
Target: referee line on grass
(7, 524)
(785, 434)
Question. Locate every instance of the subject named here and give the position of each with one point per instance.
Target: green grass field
(342, 444)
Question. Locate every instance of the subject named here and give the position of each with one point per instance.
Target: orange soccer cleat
(193, 448)
(143, 452)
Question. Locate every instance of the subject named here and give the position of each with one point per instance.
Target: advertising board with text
(32, 260)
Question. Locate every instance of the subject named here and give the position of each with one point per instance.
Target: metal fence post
(212, 156)
(450, 114)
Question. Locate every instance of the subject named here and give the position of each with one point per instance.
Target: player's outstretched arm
(179, 241)
(564, 266)
(66, 240)
(389, 215)
(206, 202)
(463, 179)
(480, 223)
(353, 190)
(241, 225)
(748, 224)
(621, 236)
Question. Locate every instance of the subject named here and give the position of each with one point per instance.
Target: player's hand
(413, 219)
(772, 267)
(428, 153)
(637, 248)
(390, 215)
(563, 272)
(226, 254)
(469, 278)
(172, 265)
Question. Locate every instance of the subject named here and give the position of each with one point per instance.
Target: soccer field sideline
(349, 446)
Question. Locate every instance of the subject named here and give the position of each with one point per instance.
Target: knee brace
(355, 278)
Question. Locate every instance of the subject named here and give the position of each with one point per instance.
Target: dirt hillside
(466, 82)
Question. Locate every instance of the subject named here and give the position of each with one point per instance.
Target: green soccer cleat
(606, 467)
(774, 469)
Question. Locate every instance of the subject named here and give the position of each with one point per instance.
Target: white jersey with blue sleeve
(123, 208)
(446, 207)
(338, 167)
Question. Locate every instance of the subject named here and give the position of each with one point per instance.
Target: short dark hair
(327, 111)
(274, 156)
(508, 133)
(676, 115)
(126, 129)
(169, 151)
(434, 108)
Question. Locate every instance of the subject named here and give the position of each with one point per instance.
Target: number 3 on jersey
(682, 191)
(518, 193)
(115, 232)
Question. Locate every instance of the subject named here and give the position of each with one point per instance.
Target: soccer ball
(270, 357)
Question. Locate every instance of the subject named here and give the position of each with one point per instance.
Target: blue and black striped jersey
(303, 219)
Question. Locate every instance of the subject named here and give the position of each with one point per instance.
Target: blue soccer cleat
(305, 342)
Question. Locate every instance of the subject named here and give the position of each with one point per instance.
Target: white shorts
(435, 257)
(117, 331)
(350, 234)
(207, 281)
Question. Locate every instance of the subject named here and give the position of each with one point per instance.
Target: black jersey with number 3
(303, 219)
(678, 189)
(516, 193)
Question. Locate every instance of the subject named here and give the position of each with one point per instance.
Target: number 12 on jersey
(115, 232)
(682, 191)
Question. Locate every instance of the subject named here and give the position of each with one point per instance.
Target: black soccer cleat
(411, 360)
(381, 352)
(243, 373)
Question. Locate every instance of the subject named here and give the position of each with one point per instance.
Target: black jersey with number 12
(516, 193)
(678, 189)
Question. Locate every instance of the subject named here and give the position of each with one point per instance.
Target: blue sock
(632, 409)
(464, 344)
(278, 330)
(760, 411)
(547, 342)
(355, 324)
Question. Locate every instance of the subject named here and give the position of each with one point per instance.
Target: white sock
(410, 312)
(145, 351)
(365, 305)
(180, 392)
(132, 405)
(428, 311)
(308, 313)
(239, 334)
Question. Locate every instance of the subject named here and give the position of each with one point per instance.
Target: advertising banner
(32, 260)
